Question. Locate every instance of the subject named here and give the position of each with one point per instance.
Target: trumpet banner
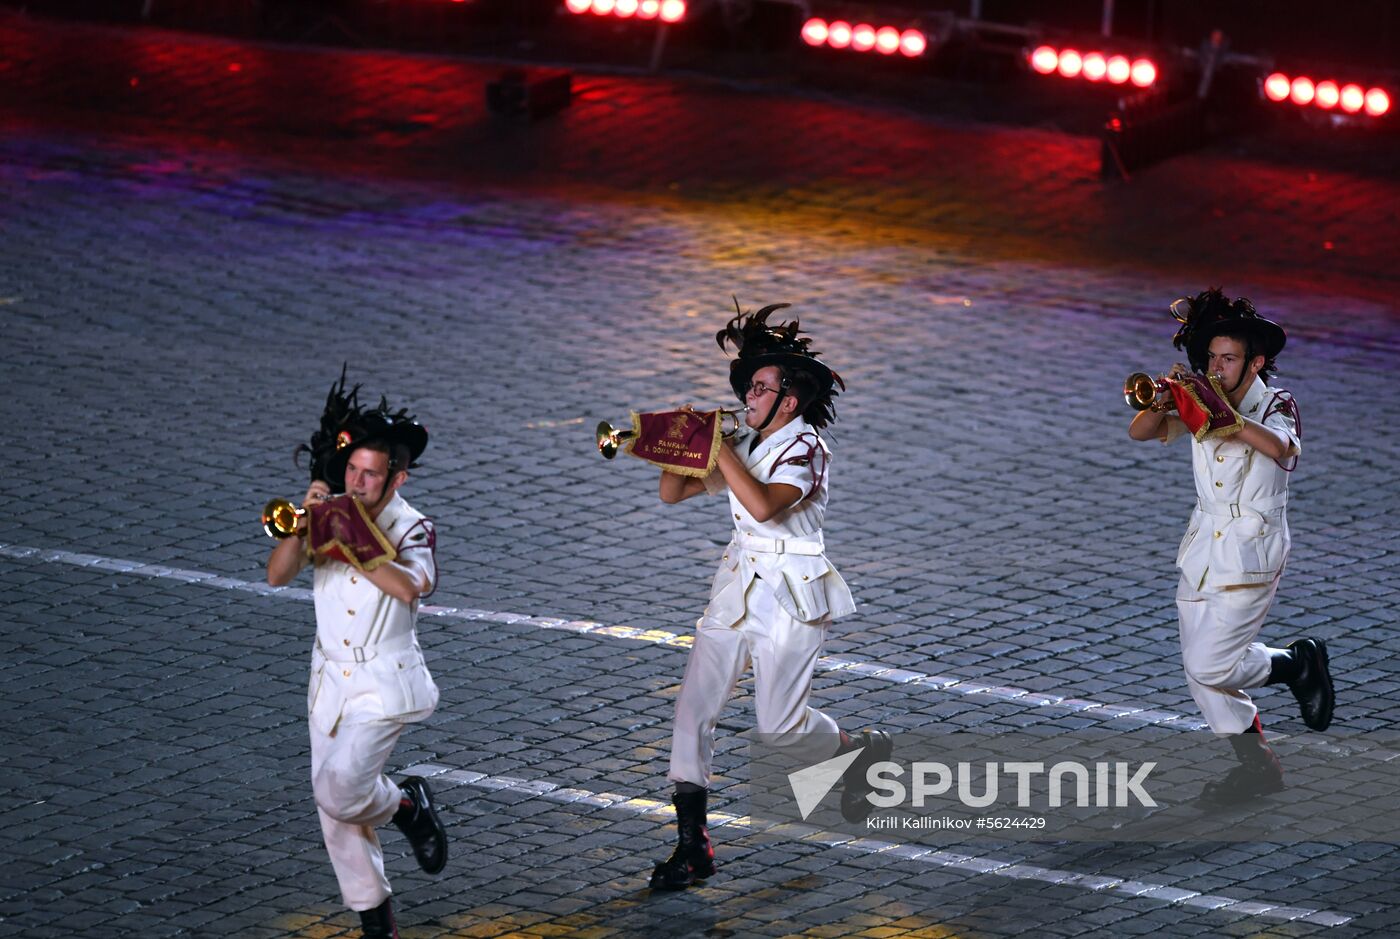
(1203, 407)
(682, 442)
(340, 529)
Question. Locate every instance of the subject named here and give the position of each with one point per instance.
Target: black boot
(1258, 774)
(876, 747)
(378, 923)
(417, 819)
(693, 858)
(1303, 667)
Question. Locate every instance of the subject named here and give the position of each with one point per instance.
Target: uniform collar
(782, 435)
(391, 512)
(1254, 397)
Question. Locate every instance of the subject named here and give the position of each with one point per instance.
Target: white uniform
(368, 680)
(771, 601)
(1231, 559)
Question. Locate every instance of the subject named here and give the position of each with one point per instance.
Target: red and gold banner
(683, 442)
(340, 529)
(1204, 408)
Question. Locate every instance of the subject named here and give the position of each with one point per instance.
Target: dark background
(1354, 33)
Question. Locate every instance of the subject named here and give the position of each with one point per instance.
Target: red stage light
(1377, 102)
(1302, 90)
(578, 6)
(603, 7)
(1353, 98)
(672, 11)
(1070, 63)
(1144, 73)
(1045, 60)
(1326, 95)
(1095, 66)
(625, 8)
(1276, 86)
(1119, 69)
(649, 10)
(863, 37)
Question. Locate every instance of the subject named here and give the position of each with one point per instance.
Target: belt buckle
(1235, 510)
(359, 654)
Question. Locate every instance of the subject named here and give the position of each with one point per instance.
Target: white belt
(807, 544)
(365, 653)
(1269, 504)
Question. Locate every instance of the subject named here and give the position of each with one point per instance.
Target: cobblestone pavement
(189, 253)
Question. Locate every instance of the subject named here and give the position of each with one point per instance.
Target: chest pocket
(1228, 467)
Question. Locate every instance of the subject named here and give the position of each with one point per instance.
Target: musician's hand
(317, 493)
(1179, 371)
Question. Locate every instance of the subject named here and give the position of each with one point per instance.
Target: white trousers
(1219, 651)
(783, 652)
(353, 798)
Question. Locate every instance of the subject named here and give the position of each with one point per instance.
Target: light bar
(1093, 66)
(1328, 95)
(667, 11)
(863, 37)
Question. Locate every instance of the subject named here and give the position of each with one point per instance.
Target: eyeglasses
(758, 390)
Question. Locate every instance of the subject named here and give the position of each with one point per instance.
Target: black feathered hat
(347, 425)
(759, 345)
(1210, 313)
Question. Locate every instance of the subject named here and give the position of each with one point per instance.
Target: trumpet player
(774, 594)
(1237, 542)
(368, 679)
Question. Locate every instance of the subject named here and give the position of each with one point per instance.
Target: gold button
(346, 641)
(1218, 459)
(1218, 484)
(351, 612)
(1217, 534)
(354, 579)
(804, 576)
(347, 673)
(736, 516)
(725, 558)
(400, 665)
(752, 561)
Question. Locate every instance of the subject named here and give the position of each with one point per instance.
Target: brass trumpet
(610, 439)
(1140, 391)
(280, 518)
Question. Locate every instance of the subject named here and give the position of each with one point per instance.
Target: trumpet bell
(280, 517)
(610, 439)
(1139, 391)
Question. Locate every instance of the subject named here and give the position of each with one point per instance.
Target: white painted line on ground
(651, 808)
(829, 663)
(922, 854)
